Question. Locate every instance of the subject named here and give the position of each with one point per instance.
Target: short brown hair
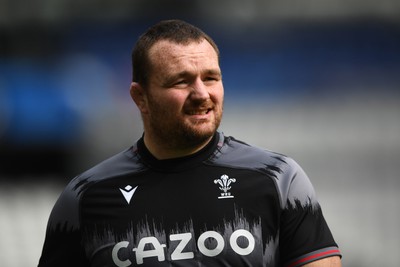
(176, 31)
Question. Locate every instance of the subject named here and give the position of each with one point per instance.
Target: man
(185, 194)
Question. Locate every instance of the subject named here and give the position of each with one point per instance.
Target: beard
(174, 131)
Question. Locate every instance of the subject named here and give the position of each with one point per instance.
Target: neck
(164, 150)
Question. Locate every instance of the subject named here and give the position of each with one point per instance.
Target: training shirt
(230, 204)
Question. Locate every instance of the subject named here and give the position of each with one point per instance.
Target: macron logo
(128, 192)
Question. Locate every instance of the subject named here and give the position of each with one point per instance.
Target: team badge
(224, 183)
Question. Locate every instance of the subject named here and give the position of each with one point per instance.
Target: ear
(138, 95)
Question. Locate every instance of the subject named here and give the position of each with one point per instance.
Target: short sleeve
(63, 241)
(304, 235)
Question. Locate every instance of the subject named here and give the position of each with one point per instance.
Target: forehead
(169, 53)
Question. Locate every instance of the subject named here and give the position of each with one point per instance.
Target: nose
(199, 90)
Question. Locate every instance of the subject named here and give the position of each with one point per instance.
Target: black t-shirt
(230, 204)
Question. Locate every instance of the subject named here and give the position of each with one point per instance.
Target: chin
(202, 133)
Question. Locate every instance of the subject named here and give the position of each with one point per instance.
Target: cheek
(171, 103)
(175, 102)
(218, 96)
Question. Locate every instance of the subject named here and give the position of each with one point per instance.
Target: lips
(199, 112)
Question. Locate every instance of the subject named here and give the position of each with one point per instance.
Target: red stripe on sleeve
(315, 256)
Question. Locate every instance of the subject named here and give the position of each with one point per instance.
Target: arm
(327, 262)
(304, 231)
(63, 242)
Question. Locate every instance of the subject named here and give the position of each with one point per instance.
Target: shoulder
(291, 181)
(237, 153)
(66, 209)
(123, 163)
(120, 164)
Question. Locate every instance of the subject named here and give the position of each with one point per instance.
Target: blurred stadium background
(316, 80)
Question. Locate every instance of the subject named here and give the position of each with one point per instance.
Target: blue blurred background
(317, 80)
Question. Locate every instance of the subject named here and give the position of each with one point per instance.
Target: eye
(211, 79)
(180, 83)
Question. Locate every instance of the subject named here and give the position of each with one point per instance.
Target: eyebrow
(214, 72)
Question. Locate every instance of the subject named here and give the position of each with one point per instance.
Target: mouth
(199, 112)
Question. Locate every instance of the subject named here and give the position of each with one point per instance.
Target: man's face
(184, 93)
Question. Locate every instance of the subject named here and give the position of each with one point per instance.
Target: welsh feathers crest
(225, 185)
